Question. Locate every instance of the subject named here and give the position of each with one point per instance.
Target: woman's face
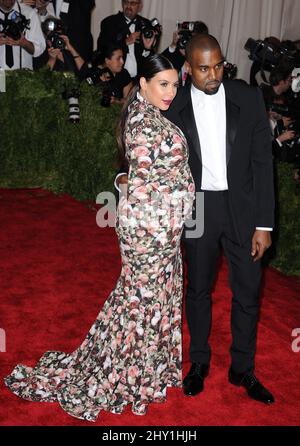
(116, 62)
(161, 89)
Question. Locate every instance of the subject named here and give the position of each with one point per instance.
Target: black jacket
(114, 29)
(248, 153)
(78, 24)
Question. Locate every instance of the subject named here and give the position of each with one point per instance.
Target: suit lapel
(232, 120)
(188, 119)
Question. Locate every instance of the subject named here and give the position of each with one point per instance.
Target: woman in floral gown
(132, 352)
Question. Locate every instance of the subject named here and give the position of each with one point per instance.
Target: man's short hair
(205, 42)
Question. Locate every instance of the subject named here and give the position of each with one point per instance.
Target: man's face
(206, 68)
(131, 8)
(286, 84)
(7, 5)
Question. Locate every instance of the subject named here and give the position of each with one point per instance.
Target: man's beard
(213, 91)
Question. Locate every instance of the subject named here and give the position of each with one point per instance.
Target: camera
(184, 38)
(186, 30)
(109, 91)
(72, 96)
(230, 71)
(53, 29)
(267, 53)
(148, 31)
(296, 80)
(15, 26)
(93, 75)
(186, 26)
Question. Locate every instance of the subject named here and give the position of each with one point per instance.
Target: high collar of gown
(148, 106)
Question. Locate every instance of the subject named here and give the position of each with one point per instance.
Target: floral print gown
(132, 352)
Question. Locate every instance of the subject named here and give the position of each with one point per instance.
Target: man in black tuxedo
(228, 135)
(124, 29)
(76, 16)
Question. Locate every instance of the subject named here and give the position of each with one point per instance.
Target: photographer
(176, 51)
(64, 59)
(19, 44)
(280, 128)
(114, 79)
(125, 30)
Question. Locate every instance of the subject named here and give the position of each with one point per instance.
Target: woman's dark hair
(106, 52)
(280, 73)
(151, 66)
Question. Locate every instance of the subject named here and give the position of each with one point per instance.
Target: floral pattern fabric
(132, 352)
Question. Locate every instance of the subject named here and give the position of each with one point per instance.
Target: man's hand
(54, 53)
(133, 37)
(286, 136)
(22, 42)
(149, 43)
(261, 241)
(287, 121)
(175, 39)
(2, 39)
(29, 2)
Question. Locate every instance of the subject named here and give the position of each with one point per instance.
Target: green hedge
(286, 247)
(40, 147)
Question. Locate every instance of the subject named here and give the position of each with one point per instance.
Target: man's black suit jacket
(248, 153)
(78, 24)
(176, 58)
(114, 29)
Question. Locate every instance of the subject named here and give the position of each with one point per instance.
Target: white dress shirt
(34, 35)
(49, 12)
(210, 117)
(131, 64)
(58, 7)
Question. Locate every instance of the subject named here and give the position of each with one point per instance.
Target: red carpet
(57, 267)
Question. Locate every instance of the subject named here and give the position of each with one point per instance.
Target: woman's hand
(286, 136)
(66, 39)
(54, 53)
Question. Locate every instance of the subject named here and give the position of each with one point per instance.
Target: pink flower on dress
(177, 150)
(137, 182)
(141, 139)
(158, 139)
(141, 151)
(144, 162)
(177, 139)
(144, 278)
(141, 193)
(133, 371)
(141, 249)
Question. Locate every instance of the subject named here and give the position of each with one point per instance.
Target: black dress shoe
(194, 380)
(254, 388)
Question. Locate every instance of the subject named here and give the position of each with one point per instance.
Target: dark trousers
(245, 275)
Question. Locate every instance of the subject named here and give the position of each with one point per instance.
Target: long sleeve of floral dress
(132, 352)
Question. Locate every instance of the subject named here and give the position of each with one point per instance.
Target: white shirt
(50, 12)
(34, 35)
(210, 117)
(58, 7)
(131, 64)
